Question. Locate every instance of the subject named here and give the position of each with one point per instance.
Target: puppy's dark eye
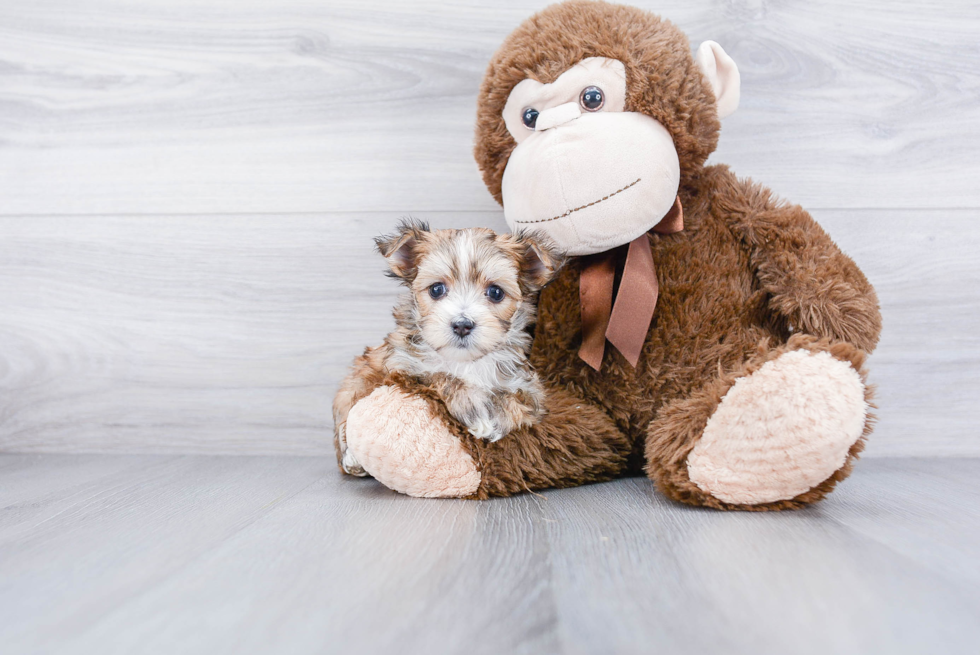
(437, 290)
(495, 293)
(529, 117)
(592, 98)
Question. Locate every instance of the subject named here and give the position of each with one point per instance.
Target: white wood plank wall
(188, 190)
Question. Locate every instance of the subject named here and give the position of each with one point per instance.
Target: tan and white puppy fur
(461, 327)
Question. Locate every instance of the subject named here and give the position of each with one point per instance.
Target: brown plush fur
(679, 425)
(662, 79)
(749, 278)
(573, 444)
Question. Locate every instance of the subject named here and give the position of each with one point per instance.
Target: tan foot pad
(780, 431)
(396, 439)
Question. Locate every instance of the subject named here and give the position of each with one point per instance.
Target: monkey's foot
(396, 438)
(781, 430)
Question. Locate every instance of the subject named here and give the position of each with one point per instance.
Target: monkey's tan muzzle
(591, 181)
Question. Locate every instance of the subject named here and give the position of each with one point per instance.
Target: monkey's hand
(812, 284)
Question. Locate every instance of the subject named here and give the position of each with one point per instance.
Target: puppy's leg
(365, 376)
(484, 427)
(511, 411)
(466, 404)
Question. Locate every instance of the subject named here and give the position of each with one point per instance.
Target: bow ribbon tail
(632, 313)
(627, 323)
(595, 298)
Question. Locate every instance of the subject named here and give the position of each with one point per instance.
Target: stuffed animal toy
(704, 332)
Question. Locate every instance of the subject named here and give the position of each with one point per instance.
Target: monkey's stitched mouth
(591, 204)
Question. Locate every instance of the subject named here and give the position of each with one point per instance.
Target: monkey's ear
(541, 260)
(722, 74)
(401, 249)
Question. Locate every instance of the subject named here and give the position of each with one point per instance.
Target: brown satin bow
(627, 323)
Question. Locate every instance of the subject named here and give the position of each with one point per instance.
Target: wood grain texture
(162, 289)
(174, 334)
(925, 268)
(244, 555)
(163, 107)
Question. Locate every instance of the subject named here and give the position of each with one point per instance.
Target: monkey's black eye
(437, 290)
(592, 98)
(529, 117)
(495, 293)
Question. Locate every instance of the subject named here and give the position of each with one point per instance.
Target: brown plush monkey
(744, 388)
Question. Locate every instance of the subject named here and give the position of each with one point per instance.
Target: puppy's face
(469, 287)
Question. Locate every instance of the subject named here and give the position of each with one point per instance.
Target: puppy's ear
(401, 249)
(541, 260)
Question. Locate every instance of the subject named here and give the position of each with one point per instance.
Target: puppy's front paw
(497, 435)
(351, 467)
(483, 428)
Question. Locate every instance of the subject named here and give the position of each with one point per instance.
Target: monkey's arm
(811, 283)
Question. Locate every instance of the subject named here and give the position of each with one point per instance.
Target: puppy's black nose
(463, 326)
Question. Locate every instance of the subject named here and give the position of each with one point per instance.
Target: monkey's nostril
(463, 326)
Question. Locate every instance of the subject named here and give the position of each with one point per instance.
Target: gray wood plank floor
(195, 554)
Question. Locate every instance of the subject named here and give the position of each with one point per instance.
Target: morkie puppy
(461, 328)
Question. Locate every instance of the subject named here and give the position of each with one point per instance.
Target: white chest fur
(500, 370)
